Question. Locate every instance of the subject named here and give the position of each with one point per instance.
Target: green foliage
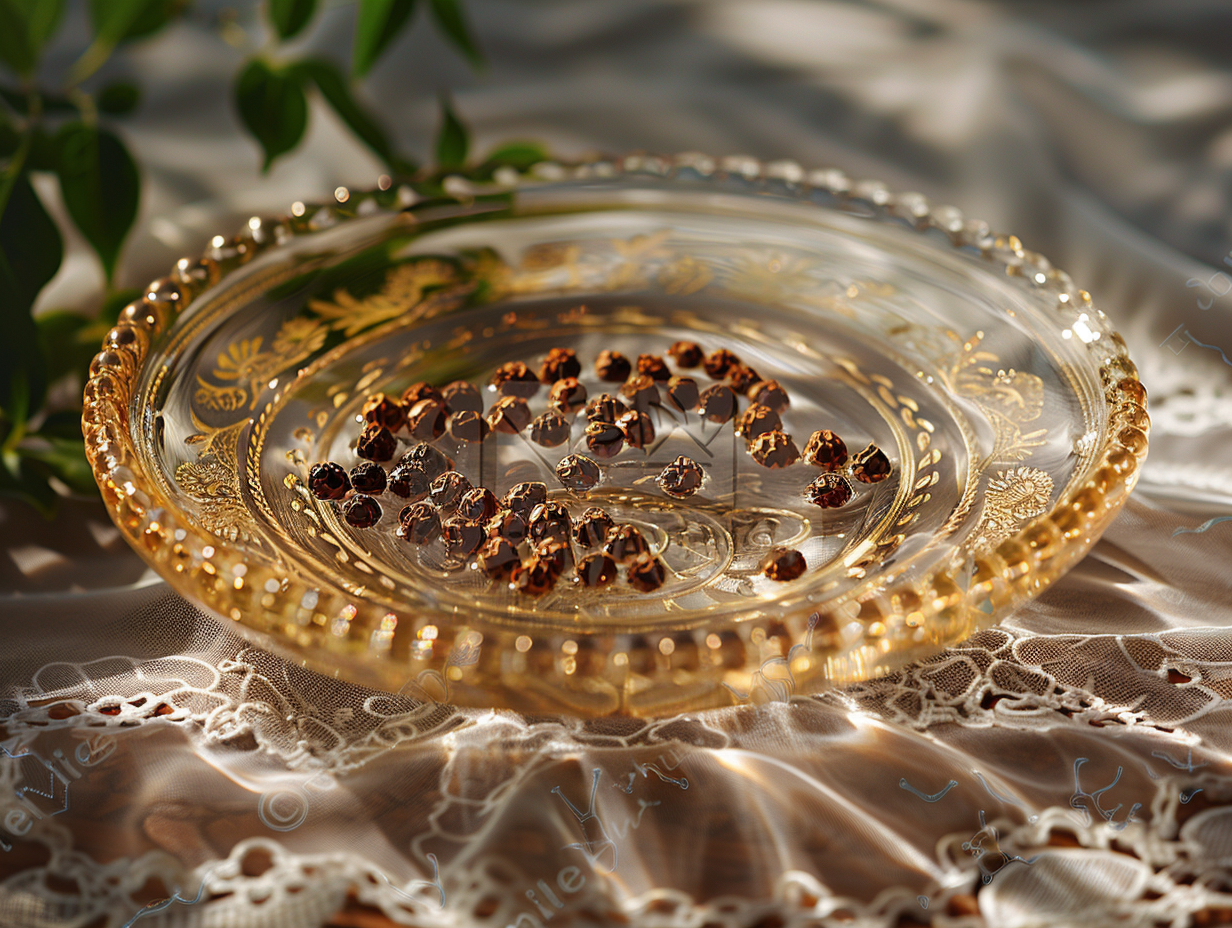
(60, 135)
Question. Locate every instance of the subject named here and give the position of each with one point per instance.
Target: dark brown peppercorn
(462, 538)
(468, 426)
(328, 480)
(419, 523)
(829, 491)
(550, 430)
(685, 354)
(825, 450)
(549, 520)
(560, 363)
(604, 439)
(783, 564)
(641, 392)
(719, 362)
(870, 465)
(368, 477)
(420, 391)
(428, 459)
(380, 409)
(409, 481)
(718, 403)
(376, 443)
(426, 420)
(461, 396)
(533, 577)
(524, 497)
(592, 527)
(596, 569)
(448, 489)
(509, 414)
(577, 472)
(478, 505)
(612, 366)
(769, 393)
(740, 377)
(647, 573)
(509, 525)
(555, 552)
(626, 543)
(605, 408)
(513, 378)
(567, 396)
(638, 429)
(497, 558)
(652, 366)
(757, 420)
(362, 511)
(681, 478)
(683, 393)
(774, 450)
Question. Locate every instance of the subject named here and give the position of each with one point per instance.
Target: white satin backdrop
(201, 782)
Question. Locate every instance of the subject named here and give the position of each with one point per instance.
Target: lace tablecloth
(1069, 767)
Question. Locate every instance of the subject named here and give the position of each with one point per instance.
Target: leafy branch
(63, 134)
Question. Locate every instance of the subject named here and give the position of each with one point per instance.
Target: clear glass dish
(1011, 418)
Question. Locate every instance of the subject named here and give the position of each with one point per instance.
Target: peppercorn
(549, 430)
(718, 403)
(719, 362)
(604, 439)
(549, 520)
(462, 396)
(595, 570)
(637, 428)
(757, 420)
(825, 450)
(478, 505)
(468, 426)
(625, 543)
(577, 472)
(652, 366)
(829, 491)
(513, 378)
(426, 420)
(428, 459)
(641, 392)
(380, 409)
(560, 363)
(783, 565)
(448, 489)
(685, 354)
(870, 465)
(774, 450)
(592, 527)
(462, 538)
(681, 478)
(376, 443)
(604, 408)
(567, 396)
(420, 391)
(683, 393)
(328, 480)
(612, 366)
(419, 523)
(362, 511)
(509, 414)
(770, 393)
(509, 525)
(409, 481)
(524, 497)
(368, 477)
(497, 558)
(533, 577)
(647, 573)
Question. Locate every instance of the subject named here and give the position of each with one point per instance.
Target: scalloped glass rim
(872, 625)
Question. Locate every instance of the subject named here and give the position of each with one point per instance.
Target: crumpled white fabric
(1070, 767)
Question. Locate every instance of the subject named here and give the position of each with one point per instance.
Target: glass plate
(1011, 419)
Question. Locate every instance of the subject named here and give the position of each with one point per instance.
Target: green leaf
(119, 99)
(100, 186)
(377, 25)
(63, 458)
(26, 479)
(115, 301)
(452, 139)
(333, 86)
(273, 108)
(15, 50)
(517, 155)
(451, 20)
(290, 16)
(51, 103)
(64, 424)
(44, 154)
(10, 140)
(42, 17)
(64, 348)
(117, 21)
